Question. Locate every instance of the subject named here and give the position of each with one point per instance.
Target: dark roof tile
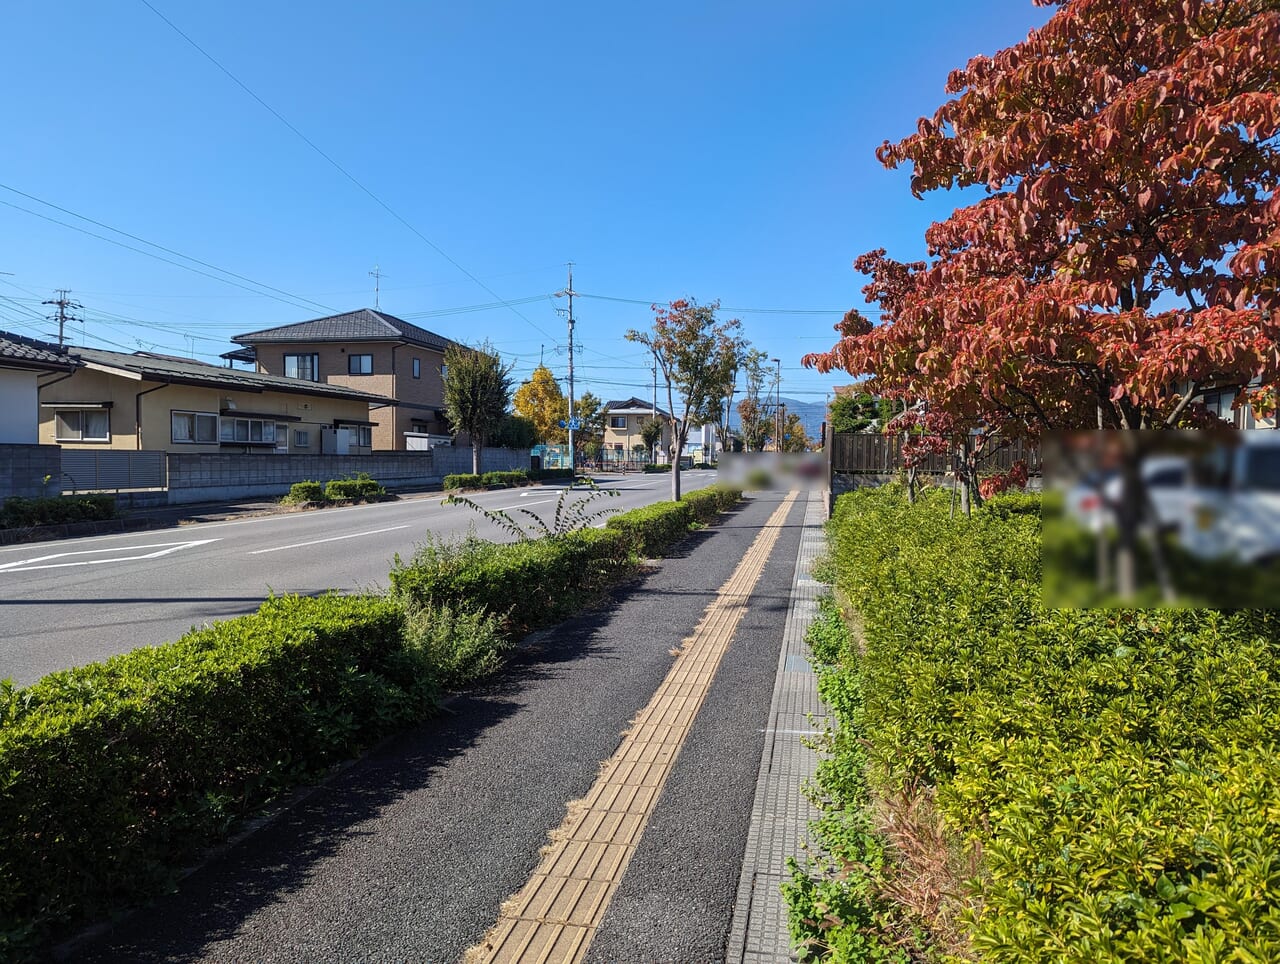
(33, 352)
(363, 325)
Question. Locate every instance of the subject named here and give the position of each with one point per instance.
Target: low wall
(24, 468)
(220, 478)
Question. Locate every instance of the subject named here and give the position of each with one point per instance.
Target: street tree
(859, 411)
(477, 389)
(692, 349)
(1125, 257)
(542, 402)
(755, 411)
(589, 411)
(651, 435)
(794, 437)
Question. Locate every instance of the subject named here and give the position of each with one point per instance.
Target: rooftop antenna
(376, 275)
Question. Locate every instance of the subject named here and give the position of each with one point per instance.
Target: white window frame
(366, 358)
(365, 435)
(302, 438)
(417, 368)
(196, 419)
(313, 360)
(614, 421)
(62, 415)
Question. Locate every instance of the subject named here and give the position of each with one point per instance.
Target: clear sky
(714, 150)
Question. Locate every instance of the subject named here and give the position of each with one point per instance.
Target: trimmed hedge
(19, 512)
(1117, 771)
(708, 503)
(463, 480)
(112, 773)
(650, 467)
(529, 584)
(654, 528)
(516, 477)
(305, 491)
(360, 487)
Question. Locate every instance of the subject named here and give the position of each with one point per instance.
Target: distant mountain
(812, 415)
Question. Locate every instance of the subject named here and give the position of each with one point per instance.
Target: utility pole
(376, 275)
(569, 293)
(63, 302)
(777, 402)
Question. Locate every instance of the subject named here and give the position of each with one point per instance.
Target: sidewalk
(781, 813)
(410, 853)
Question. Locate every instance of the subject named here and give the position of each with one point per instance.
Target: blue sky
(713, 150)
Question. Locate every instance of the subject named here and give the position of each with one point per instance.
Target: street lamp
(777, 402)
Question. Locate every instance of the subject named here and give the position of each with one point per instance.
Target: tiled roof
(186, 371)
(33, 353)
(632, 404)
(363, 325)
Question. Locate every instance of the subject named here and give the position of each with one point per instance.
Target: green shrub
(463, 480)
(461, 645)
(658, 468)
(758, 480)
(305, 491)
(19, 512)
(1117, 770)
(361, 486)
(505, 479)
(529, 584)
(708, 503)
(113, 773)
(654, 528)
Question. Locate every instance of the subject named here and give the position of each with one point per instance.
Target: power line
(757, 311)
(336, 166)
(149, 254)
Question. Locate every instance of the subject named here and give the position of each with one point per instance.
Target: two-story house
(622, 421)
(369, 351)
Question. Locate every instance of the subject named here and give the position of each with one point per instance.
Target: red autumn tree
(1124, 259)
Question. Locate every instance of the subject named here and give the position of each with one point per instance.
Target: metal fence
(89, 471)
(864, 454)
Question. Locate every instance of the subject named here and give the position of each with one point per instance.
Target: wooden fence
(863, 454)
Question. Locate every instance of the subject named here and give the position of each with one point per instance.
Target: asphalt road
(407, 855)
(72, 602)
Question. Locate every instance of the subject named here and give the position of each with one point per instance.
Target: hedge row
(113, 773)
(360, 487)
(19, 512)
(1116, 771)
(504, 480)
(655, 528)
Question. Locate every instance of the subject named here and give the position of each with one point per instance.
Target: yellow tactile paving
(554, 916)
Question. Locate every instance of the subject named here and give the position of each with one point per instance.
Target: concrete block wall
(220, 478)
(23, 469)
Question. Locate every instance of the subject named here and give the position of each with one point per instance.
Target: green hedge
(361, 487)
(654, 528)
(463, 480)
(708, 503)
(529, 584)
(1118, 771)
(516, 477)
(19, 512)
(650, 467)
(305, 491)
(113, 773)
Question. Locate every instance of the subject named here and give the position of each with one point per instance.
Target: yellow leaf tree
(541, 401)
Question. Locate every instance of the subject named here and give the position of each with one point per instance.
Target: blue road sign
(574, 423)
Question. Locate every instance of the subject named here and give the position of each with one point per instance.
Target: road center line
(316, 542)
(555, 915)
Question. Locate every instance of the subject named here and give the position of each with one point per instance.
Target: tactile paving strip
(555, 914)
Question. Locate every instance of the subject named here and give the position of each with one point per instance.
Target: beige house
(622, 421)
(368, 351)
(23, 362)
(118, 400)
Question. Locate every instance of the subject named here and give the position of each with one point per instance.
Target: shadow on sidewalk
(239, 879)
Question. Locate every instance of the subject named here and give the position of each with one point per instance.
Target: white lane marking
(316, 542)
(501, 508)
(42, 562)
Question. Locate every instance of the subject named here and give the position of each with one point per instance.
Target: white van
(1233, 504)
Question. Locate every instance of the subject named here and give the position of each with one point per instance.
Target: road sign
(562, 423)
(575, 424)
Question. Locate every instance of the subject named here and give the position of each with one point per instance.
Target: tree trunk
(476, 445)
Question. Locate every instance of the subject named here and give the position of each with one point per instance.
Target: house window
(366, 437)
(84, 425)
(417, 368)
(248, 431)
(359, 364)
(193, 428)
(617, 421)
(444, 372)
(306, 367)
(301, 438)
